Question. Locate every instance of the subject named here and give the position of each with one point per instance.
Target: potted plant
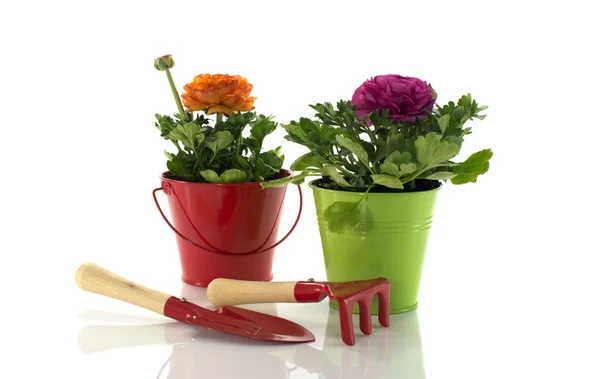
(226, 224)
(382, 157)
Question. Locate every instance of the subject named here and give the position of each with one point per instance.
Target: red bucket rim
(283, 173)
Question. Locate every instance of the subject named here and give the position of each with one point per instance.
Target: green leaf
(333, 173)
(297, 179)
(380, 150)
(407, 168)
(465, 100)
(328, 133)
(295, 129)
(369, 148)
(272, 159)
(210, 176)
(267, 165)
(165, 124)
(397, 164)
(341, 216)
(232, 175)
(315, 138)
(219, 141)
(252, 143)
(387, 181)
(308, 160)
(477, 164)
(262, 127)
(441, 175)
(308, 126)
(276, 182)
(396, 142)
(177, 168)
(430, 151)
(261, 169)
(380, 118)
(182, 165)
(443, 122)
(243, 162)
(169, 156)
(188, 133)
(355, 148)
(398, 158)
(479, 109)
(390, 168)
(178, 134)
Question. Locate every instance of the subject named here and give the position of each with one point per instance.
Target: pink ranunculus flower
(406, 98)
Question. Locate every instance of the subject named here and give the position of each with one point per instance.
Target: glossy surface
(224, 230)
(390, 241)
(238, 321)
(271, 328)
(310, 292)
(182, 351)
(361, 293)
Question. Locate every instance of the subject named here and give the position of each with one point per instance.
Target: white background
(510, 287)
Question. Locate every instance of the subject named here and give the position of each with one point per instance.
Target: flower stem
(238, 145)
(416, 174)
(371, 135)
(346, 172)
(176, 144)
(211, 159)
(364, 196)
(175, 95)
(219, 117)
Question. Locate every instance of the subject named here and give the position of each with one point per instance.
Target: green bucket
(390, 241)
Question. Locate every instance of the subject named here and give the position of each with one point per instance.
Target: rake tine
(347, 327)
(384, 306)
(366, 324)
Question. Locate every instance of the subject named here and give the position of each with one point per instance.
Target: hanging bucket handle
(256, 251)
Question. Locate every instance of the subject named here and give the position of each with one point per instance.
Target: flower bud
(164, 62)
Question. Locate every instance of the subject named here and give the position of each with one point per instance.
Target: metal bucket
(225, 230)
(390, 241)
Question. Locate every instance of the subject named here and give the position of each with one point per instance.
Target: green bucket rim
(413, 193)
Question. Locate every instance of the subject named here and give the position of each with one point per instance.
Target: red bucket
(225, 230)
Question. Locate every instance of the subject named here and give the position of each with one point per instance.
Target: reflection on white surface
(393, 352)
(200, 360)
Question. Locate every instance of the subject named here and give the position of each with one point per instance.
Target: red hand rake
(222, 292)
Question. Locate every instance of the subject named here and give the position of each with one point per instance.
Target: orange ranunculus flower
(218, 93)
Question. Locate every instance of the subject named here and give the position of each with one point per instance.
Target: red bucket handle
(256, 251)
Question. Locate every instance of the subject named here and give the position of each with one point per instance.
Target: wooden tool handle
(222, 292)
(93, 278)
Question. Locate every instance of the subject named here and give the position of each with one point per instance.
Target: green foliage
(342, 216)
(220, 151)
(389, 156)
(468, 171)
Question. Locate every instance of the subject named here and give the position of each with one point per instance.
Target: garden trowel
(242, 322)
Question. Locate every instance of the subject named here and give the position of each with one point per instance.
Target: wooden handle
(222, 292)
(93, 278)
